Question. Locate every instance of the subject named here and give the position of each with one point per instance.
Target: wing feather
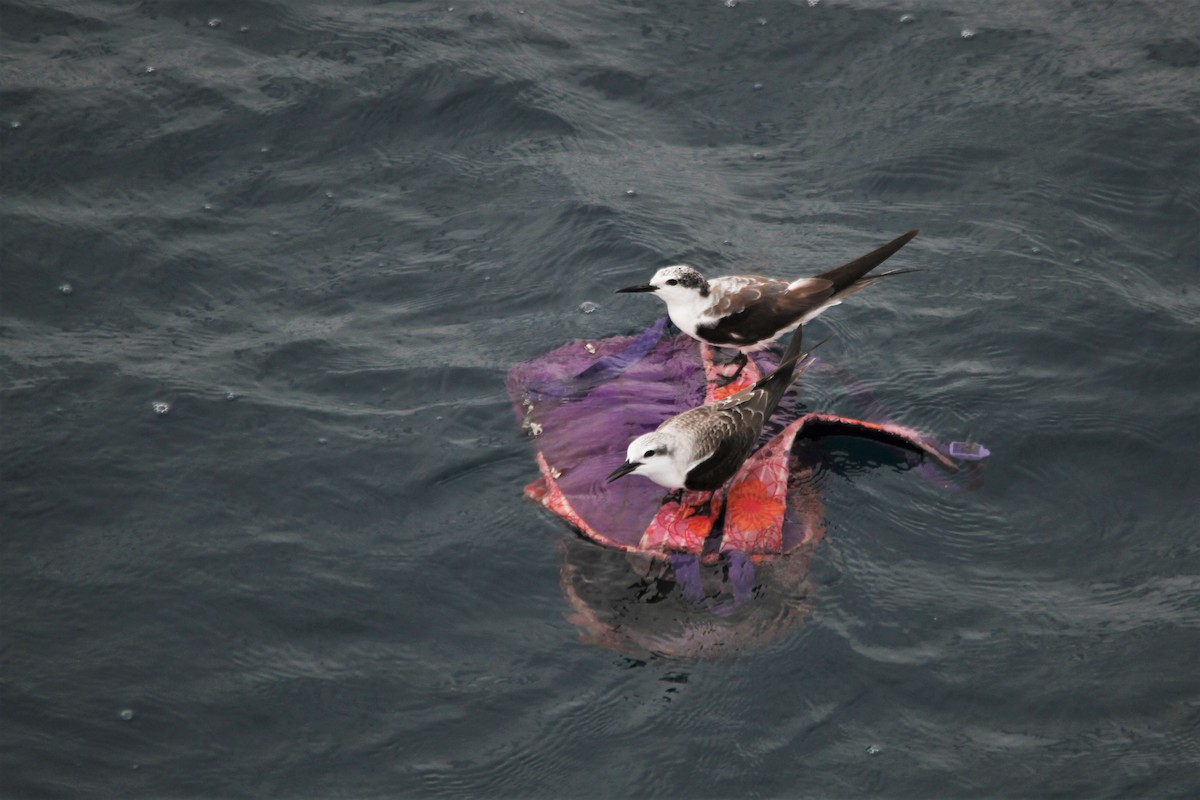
(762, 310)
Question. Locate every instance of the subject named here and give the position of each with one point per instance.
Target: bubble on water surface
(761, 21)
(150, 70)
(907, 18)
(731, 3)
(66, 288)
(588, 307)
(244, 29)
(630, 193)
(215, 22)
(758, 86)
(967, 33)
(232, 395)
(759, 156)
(814, 3)
(14, 124)
(874, 750)
(160, 407)
(126, 714)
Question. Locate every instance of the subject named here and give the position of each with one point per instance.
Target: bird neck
(687, 310)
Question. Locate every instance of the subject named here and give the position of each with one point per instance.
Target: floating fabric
(584, 402)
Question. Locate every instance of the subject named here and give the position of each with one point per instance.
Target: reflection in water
(638, 605)
(718, 604)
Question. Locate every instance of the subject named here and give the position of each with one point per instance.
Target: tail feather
(847, 275)
(863, 283)
(782, 377)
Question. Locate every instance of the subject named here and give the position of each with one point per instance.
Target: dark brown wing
(758, 311)
(734, 436)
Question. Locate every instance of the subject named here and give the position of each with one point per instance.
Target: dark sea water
(322, 232)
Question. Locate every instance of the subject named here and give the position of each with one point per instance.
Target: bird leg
(701, 509)
(741, 359)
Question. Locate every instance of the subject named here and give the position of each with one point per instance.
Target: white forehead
(647, 441)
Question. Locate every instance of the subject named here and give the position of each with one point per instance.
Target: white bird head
(679, 283)
(656, 455)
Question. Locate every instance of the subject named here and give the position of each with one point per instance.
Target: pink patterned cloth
(584, 402)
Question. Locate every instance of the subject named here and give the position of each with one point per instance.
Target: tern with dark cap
(703, 447)
(748, 312)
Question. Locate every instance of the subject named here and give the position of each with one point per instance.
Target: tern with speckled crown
(748, 312)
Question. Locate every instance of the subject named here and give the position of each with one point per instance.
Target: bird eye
(672, 282)
(648, 454)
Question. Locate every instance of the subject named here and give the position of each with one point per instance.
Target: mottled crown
(680, 275)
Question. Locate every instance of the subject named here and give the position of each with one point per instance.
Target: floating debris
(126, 714)
(969, 451)
(215, 22)
(758, 87)
(759, 156)
(588, 307)
(65, 288)
(630, 193)
(591, 348)
(150, 70)
(907, 18)
(967, 33)
(160, 407)
(874, 750)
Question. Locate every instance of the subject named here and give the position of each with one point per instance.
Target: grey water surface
(266, 264)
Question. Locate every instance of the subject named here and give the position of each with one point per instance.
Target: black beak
(624, 469)
(645, 287)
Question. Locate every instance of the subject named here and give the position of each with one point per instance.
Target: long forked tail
(783, 375)
(847, 275)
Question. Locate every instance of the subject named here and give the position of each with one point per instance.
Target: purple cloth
(583, 408)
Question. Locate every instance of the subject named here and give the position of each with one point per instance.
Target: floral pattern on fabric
(583, 402)
(758, 497)
(683, 527)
